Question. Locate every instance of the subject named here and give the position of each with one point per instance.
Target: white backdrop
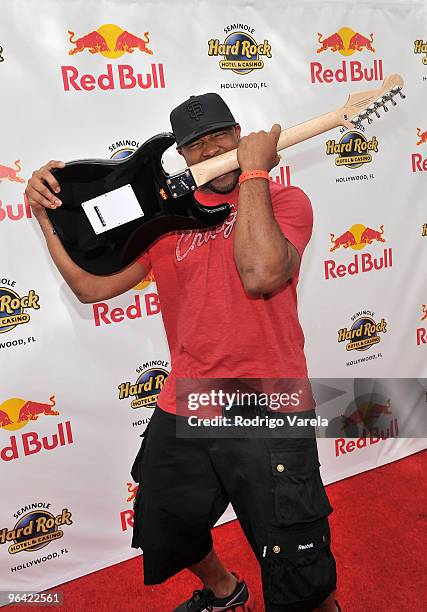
(72, 462)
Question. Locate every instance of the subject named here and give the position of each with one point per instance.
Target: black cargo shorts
(275, 488)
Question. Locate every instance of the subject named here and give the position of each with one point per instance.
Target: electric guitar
(113, 210)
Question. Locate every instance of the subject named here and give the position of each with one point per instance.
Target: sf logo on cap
(195, 110)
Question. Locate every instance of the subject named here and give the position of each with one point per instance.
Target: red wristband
(251, 174)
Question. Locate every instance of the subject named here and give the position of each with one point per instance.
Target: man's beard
(227, 187)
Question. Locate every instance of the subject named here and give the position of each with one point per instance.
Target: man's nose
(210, 149)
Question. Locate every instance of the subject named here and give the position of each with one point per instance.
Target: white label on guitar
(112, 209)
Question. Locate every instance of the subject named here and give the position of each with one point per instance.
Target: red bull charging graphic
(418, 162)
(11, 172)
(369, 420)
(357, 238)
(126, 516)
(346, 42)
(421, 333)
(112, 42)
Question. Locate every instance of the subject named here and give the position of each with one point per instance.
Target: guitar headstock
(361, 106)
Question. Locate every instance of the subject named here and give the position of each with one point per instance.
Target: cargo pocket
(299, 565)
(299, 494)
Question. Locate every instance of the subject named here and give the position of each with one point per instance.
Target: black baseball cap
(198, 116)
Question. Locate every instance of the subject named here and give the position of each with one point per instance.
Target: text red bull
(31, 443)
(122, 76)
(353, 71)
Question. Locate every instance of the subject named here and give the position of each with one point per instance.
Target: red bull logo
(132, 489)
(422, 137)
(146, 390)
(420, 48)
(363, 333)
(126, 516)
(146, 282)
(366, 415)
(419, 163)
(422, 331)
(35, 529)
(16, 413)
(356, 238)
(7, 173)
(346, 42)
(353, 150)
(112, 42)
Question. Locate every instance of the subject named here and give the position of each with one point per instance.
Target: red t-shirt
(214, 329)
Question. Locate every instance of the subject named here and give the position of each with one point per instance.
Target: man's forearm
(261, 251)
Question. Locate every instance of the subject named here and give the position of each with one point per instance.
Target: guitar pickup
(180, 184)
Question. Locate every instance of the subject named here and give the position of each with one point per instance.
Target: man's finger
(276, 131)
(37, 198)
(50, 180)
(43, 192)
(55, 163)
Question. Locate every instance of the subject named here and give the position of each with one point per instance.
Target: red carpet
(379, 541)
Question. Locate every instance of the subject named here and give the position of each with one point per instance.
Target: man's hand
(38, 195)
(258, 151)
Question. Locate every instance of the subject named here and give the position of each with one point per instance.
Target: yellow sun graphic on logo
(145, 282)
(111, 33)
(357, 231)
(12, 407)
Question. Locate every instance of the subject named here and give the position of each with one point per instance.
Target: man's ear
(179, 149)
(238, 130)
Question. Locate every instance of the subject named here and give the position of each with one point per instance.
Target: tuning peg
(373, 108)
(397, 90)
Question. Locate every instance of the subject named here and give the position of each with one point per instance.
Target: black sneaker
(204, 600)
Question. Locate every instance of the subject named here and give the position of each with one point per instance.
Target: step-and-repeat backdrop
(91, 79)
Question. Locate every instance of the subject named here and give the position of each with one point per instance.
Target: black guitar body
(166, 201)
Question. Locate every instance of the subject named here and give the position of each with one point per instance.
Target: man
(229, 308)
